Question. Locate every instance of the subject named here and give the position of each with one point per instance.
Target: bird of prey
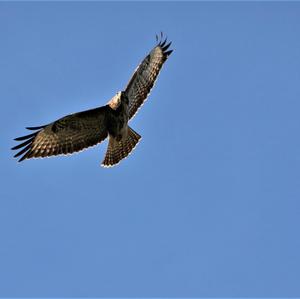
(81, 130)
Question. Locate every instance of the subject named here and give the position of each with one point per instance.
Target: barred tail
(118, 150)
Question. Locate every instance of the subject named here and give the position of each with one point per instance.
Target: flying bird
(81, 130)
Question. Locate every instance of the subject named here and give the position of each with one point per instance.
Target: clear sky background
(208, 204)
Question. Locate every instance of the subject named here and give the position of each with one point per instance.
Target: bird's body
(81, 130)
(118, 117)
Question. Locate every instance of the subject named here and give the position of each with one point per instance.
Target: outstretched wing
(145, 76)
(67, 135)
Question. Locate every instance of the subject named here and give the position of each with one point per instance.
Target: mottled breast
(118, 119)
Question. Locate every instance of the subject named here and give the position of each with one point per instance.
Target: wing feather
(67, 135)
(145, 76)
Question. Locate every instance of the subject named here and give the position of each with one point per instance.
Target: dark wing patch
(145, 76)
(67, 135)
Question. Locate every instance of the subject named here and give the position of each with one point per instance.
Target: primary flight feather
(81, 130)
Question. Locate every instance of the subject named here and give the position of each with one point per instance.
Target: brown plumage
(81, 130)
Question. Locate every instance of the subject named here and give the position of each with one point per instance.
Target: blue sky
(207, 204)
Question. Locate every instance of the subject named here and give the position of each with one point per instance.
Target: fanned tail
(118, 150)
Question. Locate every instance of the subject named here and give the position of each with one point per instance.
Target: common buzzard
(81, 130)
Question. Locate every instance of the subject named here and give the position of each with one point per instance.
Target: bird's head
(115, 102)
